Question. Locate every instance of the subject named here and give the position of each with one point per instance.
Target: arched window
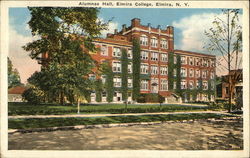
(164, 43)
(144, 40)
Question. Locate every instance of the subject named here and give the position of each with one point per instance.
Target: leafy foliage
(136, 50)
(13, 76)
(66, 36)
(124, 75)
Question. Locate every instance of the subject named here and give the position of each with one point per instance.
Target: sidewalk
(105, 115)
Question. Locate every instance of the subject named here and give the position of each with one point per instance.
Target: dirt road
(218, 135)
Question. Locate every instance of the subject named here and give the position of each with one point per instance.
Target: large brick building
(197, 70)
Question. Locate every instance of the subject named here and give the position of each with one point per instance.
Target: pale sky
(189, 25)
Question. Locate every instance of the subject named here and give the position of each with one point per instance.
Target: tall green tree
(225, 37)
(136, 50)
(63, 33)
(178, 75)
(109, 84)
(13, 75)
(171, 70)
(98, 90)
(124, 75)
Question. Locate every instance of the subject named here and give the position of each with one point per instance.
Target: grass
(49, 109)
(57, 122)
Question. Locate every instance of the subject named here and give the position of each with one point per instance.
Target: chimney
(149, 24)
(109, 35)
(115, 31)
(123, 27)
(135, 22)
(159, 27)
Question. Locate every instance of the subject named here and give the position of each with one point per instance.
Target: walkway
(106, 115)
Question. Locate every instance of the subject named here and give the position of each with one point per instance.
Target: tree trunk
(78, 106)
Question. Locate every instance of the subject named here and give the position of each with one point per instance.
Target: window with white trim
(197, 84)
(204, 85)
(204, 74)
(174, 85)
(175, 59)
(130, 56)
(154, 69)
(129, 67)
(183, 72)
(164, 70)
(183, 84)
(92, 77)
(117, 52)
(154, 42)
(183, 59)
(197, 74)
(212, 74)
(116, 66)
(130, 82)
(144, 69)
(204, 62)
(191, 84)
(164, 43)
(117, 81)
(144, 55)
(191, 61)
(191, 72)
(197, 61)
(175, 72)
(104, 50)
(154, 56)
(164, 84)
(164, 57)
(144, 40)
(212, 85)
(103, 78)
(144, 85)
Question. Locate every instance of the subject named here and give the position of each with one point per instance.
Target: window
(154, 56)
(92, 77)
(197, 73)
(104, 94)
(129, 82)
(191, 61)
(197, 84)
(183, 84)
(175, 72)
(144, 85)
(130, 67)
(204, 74)
(197, 62)
(144, 55)
(116, 66)
(204, 62)
(175, 59)
(164, 70)
(144, 40)
(213, 63)
(164, 43)
(191, 72)
(212, 75)
(164, 84)
(164, 57)
(144, 69)
(130, 54)
(117, 52)
(174, 85)
(104, 50)
(183, 60)
(183, 72)
(103, 78)
(117, 81)
(212, 85)
(154, 42)
(191, 84)
(204, 85)
(154, 70)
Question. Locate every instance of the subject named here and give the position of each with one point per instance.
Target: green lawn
(49, 109)
(57, 122)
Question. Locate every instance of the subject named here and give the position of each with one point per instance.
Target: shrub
(150, 98)
(33, 95)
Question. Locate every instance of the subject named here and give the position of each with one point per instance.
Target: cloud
(193, 28)
(19, 57)
(111, 27)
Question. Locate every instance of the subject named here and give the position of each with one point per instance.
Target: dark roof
(16, 90)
